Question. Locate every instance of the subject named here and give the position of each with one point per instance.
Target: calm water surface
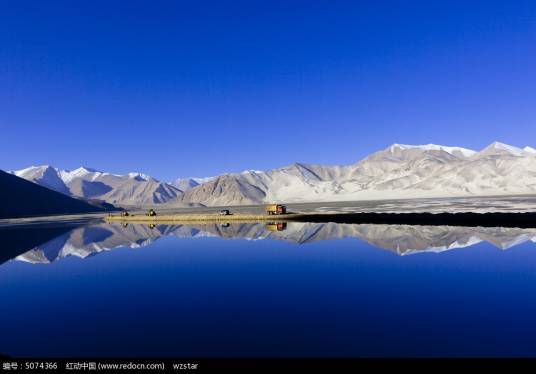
(256, 290)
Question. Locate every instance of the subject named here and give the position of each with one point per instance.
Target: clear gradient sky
(197, 88)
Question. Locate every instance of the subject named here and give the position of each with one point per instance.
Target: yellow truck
(275, 209)
(276, 226)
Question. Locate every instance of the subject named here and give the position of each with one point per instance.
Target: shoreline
(209, 218)
(521, 220)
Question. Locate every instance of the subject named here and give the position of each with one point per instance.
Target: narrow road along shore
(207, 217)
(523, 220)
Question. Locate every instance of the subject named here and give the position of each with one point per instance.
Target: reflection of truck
(276, 226)
(275, 209)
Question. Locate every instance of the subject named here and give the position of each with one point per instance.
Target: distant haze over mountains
(399, 171)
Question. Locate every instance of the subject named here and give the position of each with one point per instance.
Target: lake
(267, 290)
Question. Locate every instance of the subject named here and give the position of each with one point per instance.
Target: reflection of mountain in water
(401, 239)
(16, 240)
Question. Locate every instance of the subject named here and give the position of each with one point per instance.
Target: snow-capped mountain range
(129, 189)
(399, 171)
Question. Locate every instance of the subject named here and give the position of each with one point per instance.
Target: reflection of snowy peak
(401, 239)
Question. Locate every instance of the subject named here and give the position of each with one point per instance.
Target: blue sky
(183, 88)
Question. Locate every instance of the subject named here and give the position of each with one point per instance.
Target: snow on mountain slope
(456, 151)
(45, 176)
(130, 189)
(22, 198)
(399, 171)
(500, 149)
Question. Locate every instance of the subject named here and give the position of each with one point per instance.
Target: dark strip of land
(522, 220)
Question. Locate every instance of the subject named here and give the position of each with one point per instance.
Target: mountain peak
(85, 169)
(500, 145)
(35, 170)
(252, 171)
(498, 148)
(44, 175)
(32, 168)
(399, 171)
(138, 176)
(456, 151)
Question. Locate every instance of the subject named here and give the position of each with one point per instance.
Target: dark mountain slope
(20, 198)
